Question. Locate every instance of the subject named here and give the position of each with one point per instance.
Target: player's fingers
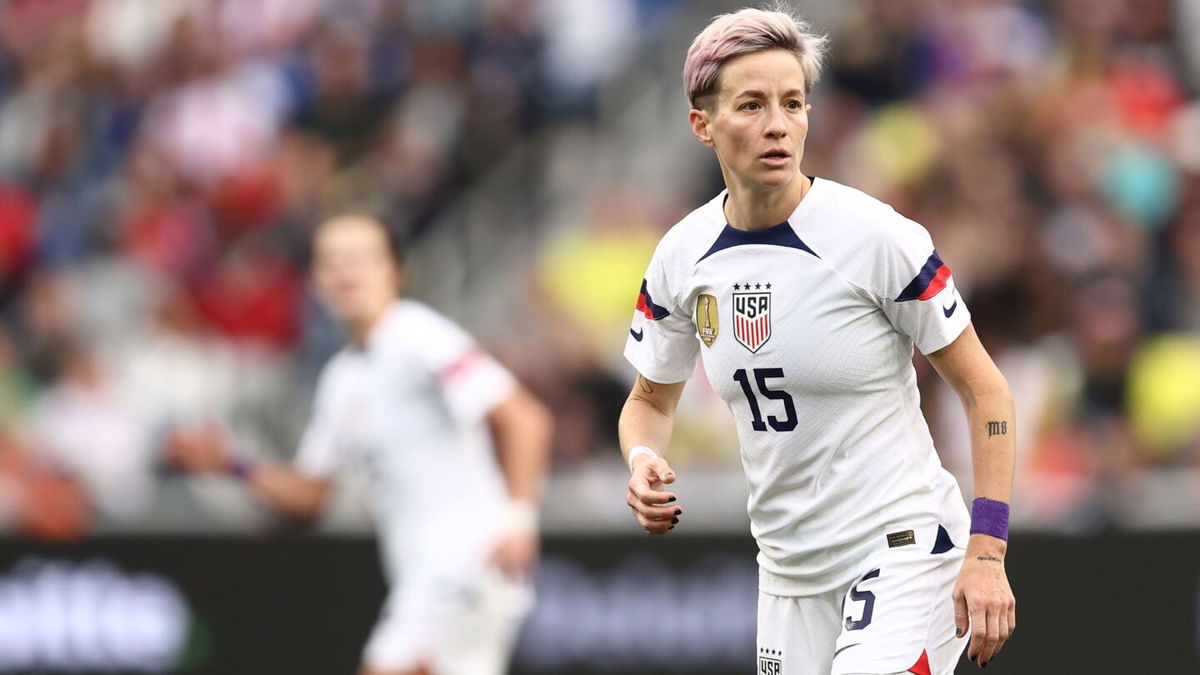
(991, 632)
(655, 497)
(657, 526)
(962, 620)
(1008, 625)
(511, 565)
(995, 609)
(654, 512)
(978, 629)
(655, 471)
(643, 491)
(1005, 631)
(655, 516)
(661, 470)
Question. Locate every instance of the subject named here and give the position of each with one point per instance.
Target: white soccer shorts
(896, 617)
(469, 630)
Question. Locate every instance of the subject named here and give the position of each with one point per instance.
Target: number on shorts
(868, 600)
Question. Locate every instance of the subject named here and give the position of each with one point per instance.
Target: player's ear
(699, 119)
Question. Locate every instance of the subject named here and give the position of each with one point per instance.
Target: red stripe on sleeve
(643, 307)
(937, 284)
(461, 365)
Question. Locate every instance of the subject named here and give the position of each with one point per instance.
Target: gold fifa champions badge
(706, 319)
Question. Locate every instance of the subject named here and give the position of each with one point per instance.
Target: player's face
(354, 269)
(759, 120)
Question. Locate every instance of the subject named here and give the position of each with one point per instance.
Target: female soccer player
(423, 407)
(804, 299)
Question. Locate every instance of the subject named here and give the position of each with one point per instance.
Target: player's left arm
(520, 426)
(982, 595)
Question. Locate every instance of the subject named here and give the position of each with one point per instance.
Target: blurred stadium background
(162, 163)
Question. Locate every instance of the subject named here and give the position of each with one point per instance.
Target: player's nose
(776, 125)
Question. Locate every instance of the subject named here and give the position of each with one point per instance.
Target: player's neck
(749, 207)
(360, 329)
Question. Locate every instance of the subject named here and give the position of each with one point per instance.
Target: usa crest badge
(706, 319)
(772, 664)
(752, 319)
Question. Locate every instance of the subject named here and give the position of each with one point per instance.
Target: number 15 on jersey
(761, 375)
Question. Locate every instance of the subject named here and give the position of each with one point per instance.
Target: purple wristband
(989, 517)
(240, 468)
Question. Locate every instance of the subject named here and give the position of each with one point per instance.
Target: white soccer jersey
(806, 330)
(413, 404)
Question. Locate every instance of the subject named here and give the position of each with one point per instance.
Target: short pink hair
(748, 31)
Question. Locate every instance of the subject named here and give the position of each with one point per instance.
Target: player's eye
(750, 105)
(794, 104)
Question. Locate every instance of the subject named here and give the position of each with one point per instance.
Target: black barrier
(1111, 604)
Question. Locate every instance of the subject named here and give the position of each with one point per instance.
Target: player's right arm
(205, 450)
(289, 491)
(298, 489)
(647, 420)
(663, 349)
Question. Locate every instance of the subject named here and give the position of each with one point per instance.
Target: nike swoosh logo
(638, 335)
(950, 311)
(845, 648)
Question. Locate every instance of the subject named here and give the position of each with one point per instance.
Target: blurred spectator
(17, 387)
(85, 432)
(36, 500)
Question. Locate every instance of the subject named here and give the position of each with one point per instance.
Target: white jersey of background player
(425, 409)
(804, 299)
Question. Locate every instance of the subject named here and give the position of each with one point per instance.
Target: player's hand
(983, 601)
(515, 554)
(198, 449)
(654, 508)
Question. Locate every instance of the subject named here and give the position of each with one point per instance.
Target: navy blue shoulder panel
(776, 235)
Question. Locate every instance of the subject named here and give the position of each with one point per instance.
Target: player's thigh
(899, 615)
(796, 634)
(480, 640)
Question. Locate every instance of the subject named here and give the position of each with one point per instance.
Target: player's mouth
(776, 158)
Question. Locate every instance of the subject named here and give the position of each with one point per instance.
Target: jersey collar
(783, 234)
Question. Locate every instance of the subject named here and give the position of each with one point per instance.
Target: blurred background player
(804, 299)
(423, 407)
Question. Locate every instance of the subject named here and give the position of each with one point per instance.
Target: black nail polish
(957, 632)
(670, 500)
(675, 521)
(679, 512)
(671, 527)
(983, 665)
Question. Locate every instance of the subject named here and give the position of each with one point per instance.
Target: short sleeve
(319, 455)
(662, 343)
(472, 382)
(920, 299)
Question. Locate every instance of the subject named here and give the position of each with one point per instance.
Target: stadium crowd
(162, 163)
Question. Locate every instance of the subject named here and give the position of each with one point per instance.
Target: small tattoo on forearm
(989, 558)
(645, 385)
(997, 429)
